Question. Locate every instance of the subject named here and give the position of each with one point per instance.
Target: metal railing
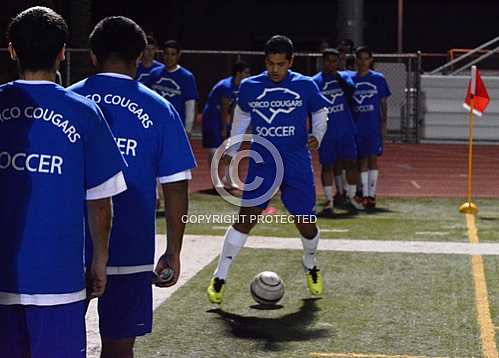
(441, 69)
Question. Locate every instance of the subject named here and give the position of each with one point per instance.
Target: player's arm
(384, 116)
(240, 124)
(190, 115)
(100, 215)
(176, 206)
(226, 114)
(319, 127)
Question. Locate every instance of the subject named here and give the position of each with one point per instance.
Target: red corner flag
(477, 91)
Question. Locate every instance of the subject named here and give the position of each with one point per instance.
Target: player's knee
(122, 348)
(308, 231)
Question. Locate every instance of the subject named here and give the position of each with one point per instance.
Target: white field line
(198, 251)
(415, 184)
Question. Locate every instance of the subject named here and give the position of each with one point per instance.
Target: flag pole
(469, 207)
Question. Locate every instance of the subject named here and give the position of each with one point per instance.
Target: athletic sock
(233, 242)
(373, 181)
(309, 250)
(364, 177)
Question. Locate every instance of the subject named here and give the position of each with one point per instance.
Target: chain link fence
(402, 72)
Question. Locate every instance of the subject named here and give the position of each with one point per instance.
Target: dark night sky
(430, 25)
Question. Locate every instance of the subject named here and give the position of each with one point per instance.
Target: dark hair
(238, 67)
(279, 44)
(347, 43)
(172, 44)
(151, 41)
(330, 52)
(363, 49)
(37, 35)
(117, 37)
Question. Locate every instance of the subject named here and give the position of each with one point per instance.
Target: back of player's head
(151, 41)
(279, 44)
(330, 52)
(239, 67)
(37, 35)
(363, 49)
(172, 44)
(117, 37)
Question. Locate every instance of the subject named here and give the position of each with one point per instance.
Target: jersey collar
(116, 75)
(35, 82)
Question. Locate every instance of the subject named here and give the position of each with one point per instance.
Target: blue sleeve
(242, 98)
(153, 75)
(191, 90)
(175, 150)
(316, 101)
(384, 91)
(102, 157)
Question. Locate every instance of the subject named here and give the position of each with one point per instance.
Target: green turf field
(396, 219)
(394, 304)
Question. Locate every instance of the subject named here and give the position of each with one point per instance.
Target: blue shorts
(339, 148)
(43, 331)
(125, 309)
(297, 187)
(369, 140)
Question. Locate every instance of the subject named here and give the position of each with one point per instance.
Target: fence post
(419, 71)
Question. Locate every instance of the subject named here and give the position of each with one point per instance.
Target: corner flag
(477, 92)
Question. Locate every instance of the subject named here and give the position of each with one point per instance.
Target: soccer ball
(267, 288)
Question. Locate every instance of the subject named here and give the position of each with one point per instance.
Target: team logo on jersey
(273, 101)
(330, 92)
(364, 90)
(167, 87)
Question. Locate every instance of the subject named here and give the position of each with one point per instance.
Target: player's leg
(234, 240)
(339, 197)
(112, 348)
(56, 331)
(327, 185)
(298, 196)
(210, 154)
(327, 160)
(125, 312)
(348, 153)
(372, 180)
(14, 337)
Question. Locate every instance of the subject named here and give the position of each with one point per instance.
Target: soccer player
(57, 155)
(338, 149)
(370, 115)
(148, 62)
(217, 113)
(176, 84)
(151, 137)
(276, 104)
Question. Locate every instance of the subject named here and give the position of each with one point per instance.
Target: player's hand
(313, 143)
(97, 278)
(165, 262)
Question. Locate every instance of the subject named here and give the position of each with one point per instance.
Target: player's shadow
(488, 218)
(273, 333)
(378, 211)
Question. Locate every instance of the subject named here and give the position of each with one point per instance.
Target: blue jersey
(144, 72)
(225, 88)
(340, 116)
(177, 87)
(279, 111)
(367, 96)
(55, 147)
(152, 139)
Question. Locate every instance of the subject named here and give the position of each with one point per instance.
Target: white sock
(339, 184)
(364, 178)
(328, 192)
(233, 242)
(373, 181)
(351, 189)
(309, 250)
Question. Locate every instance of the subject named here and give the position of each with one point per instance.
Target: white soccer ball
(267, 288)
